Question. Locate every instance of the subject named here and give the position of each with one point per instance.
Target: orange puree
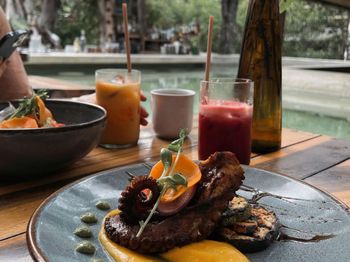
(204, 251)
(122, 102)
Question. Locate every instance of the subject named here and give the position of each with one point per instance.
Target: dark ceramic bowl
(25, 153)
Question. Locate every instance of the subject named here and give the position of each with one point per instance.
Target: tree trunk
(18, 9)
(346, 32)
(106, 21)
(46, 22)
(3, 5)
(29, 8)
(283, 21)
(141, 20)
(15, 9)
(228, 26)
(48, 15)
(101, 22)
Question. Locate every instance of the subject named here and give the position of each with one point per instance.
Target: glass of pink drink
(225, 117)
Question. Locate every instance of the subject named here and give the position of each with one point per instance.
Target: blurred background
(312, 28)
(70, 39)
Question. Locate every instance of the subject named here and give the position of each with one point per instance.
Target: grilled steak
(221, 177)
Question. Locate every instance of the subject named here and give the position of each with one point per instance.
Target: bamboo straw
(209, 44)
(126, 36)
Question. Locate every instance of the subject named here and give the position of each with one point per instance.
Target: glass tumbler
(118, 91)
(225, 117)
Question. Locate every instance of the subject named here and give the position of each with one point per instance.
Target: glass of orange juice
(118, 91)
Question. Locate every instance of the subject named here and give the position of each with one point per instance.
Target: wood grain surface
(334, 180)
(320, 160)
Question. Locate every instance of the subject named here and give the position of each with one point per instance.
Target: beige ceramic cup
(172, 110)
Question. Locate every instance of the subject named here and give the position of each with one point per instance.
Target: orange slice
(44, 113)
(186, 167)
(19, 122)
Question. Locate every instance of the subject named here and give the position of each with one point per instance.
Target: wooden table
(319, 160)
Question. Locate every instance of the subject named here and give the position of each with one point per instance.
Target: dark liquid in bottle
(261, 62)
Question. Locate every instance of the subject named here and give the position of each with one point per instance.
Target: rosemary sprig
(28, 105)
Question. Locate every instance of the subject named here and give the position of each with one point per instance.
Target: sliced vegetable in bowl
(44, 150)
(30, 113)
(19, 122)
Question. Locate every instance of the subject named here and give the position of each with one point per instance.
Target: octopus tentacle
(222, 175)
(134, 203)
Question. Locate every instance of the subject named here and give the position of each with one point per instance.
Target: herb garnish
(176, 146)
(171, 180)
(28, 105)
(167, 158)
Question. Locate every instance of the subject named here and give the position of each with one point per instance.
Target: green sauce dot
(85, 247)
(83, 231)
(89, 218)
(103, 205)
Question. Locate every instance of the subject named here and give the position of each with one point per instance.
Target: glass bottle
(76, 45)
(261, 61)
(82, 41)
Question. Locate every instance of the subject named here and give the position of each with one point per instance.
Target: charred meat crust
(220, 172)
(221, 178)
(191, 225)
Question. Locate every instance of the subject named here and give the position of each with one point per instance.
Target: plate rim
(38, 255)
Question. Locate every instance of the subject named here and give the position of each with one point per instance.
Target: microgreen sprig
(176, 146)
(171, 180)
(167, 158)
(165, 183)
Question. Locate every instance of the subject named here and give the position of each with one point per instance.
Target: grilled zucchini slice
(253, 234)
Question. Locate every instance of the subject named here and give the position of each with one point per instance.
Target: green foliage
(74, 16)
(315, 30)
(311, 29)
(18, 23)
(285, 5)
(166, 14)
(240, 22)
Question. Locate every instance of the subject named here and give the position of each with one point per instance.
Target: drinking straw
(126, 36)
(209, 44)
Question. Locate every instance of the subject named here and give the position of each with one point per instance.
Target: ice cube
(118, 79)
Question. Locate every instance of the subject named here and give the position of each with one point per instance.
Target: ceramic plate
(50, 232)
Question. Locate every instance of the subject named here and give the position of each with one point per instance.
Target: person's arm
(14, 82)
(3, 66)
